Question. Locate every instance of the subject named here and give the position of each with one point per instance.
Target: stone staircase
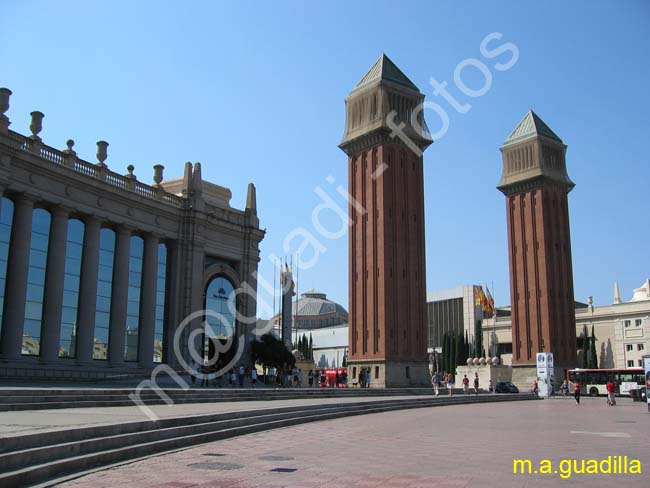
(48, 458)
(13, 399)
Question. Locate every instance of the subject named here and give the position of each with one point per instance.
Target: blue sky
(255, 92)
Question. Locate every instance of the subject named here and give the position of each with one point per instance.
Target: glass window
(104, 285)
(73, 251)
(159, 330)
(628, 347)
(133, 303)
(36, 282)
(220, 298)
(640, 347)
(626, 323)
(640, 362)
(637, 323)
(630, 364)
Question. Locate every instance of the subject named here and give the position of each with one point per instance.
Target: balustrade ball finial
(102, 152)
(130, 169)
(37, 123)
(70, 144)
(158, 173)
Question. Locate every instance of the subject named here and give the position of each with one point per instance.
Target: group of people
(447, 380)
(566, 386)
(364, 377)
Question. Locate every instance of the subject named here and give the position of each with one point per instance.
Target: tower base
(391, 373)
(524, 376)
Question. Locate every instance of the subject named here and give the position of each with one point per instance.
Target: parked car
(506, 387)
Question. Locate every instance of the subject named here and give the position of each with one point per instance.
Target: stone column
(119, 295)
(52, 303)
(173, 302)
(16, 282)
(88, 290)
(148, 290)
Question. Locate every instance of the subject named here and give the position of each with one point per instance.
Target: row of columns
(16, 288)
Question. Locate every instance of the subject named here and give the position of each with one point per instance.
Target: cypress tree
(459, 351)
(443, 362)
(593, 357)
(311, 348)
(453, 351)
(585, 347)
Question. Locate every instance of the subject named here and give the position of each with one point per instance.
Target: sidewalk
(33, 421)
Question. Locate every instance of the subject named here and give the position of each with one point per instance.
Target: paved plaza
(459, 446)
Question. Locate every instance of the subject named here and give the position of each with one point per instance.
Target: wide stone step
(41, 399)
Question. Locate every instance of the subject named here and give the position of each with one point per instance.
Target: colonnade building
(98, 269)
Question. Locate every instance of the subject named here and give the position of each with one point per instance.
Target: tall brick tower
(536, 185)
(385, 135)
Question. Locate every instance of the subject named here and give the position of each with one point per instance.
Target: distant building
(329, 344)
(453, 310)
(313, 310)
(622, 330)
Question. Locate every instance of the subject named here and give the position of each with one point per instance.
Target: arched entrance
(220, 321)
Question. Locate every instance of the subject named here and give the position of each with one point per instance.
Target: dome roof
(316, 303)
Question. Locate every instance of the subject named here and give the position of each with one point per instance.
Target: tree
(344, 363)
(585, 347)
(460, 350)
(271, 351)
(310, 352)
(445, 352)
(593, 357)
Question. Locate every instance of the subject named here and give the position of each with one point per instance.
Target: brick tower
(536, 185)
(385, 135)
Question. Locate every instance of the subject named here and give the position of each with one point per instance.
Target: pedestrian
(254, 376)
(565, 386)
(310, 377)
(434, 382)
(337, 380)
(233, 378)
(241, 375)
(299, 377)
(611, 397)
(535, 388)
(272, 375)
(576, 392)
(490, 387)
(368, 378)
(362, 378)
(450, 383)
(476, 383)
(289, 378)
(465, 384)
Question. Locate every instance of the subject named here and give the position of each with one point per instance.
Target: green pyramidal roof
(531, 125)
(385, 69)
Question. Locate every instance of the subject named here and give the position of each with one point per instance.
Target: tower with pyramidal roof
(385, 135)
(536, 185)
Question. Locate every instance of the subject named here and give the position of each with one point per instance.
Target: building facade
(536, 185)
(622, 330)
(386, 240)
(453, 311)
(98, 269)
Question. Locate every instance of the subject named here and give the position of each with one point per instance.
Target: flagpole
(273, 316)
